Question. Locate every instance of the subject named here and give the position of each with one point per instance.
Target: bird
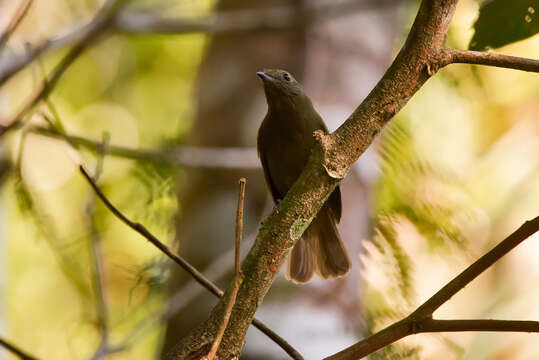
(284, 143)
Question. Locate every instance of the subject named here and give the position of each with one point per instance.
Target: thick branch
(491, 59)
(420, 321)
(201, 279)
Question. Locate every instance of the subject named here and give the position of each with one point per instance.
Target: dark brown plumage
(285, 140)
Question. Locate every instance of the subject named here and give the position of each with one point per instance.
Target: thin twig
(211, 287)
(420, 321)
(191, 156)
(434, 325)
(141, 229)
(100, 23)
(237, 274)
(183, 296)
(16, 350)
(478, 267)
(96, 252)
(15, 21)
(491, 59)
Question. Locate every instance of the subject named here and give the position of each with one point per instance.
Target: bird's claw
(277, 203)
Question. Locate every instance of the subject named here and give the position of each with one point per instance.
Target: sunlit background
(454, 173)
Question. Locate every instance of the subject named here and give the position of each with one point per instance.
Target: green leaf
(502, 22)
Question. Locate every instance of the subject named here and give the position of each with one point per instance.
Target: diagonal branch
(453, 56)
(201, 279)
(16, 350)
(78, 38)
(14, 22)
(477, 268)
(99, 24)
(420, 321)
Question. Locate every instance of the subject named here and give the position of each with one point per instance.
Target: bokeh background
(453, 174)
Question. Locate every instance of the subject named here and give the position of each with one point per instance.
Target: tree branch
(491, 59)
(432, 325)
(79, 38)
(478, 267)
(211, 287)
(16, 350)
(202, 157)
(100, 22)
(96, 255)
(420, 321)
(237, 271)
(15, 21)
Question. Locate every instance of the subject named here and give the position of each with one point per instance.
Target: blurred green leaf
(502, 22)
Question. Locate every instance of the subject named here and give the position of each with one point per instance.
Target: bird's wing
(334, 201)
(274, 193)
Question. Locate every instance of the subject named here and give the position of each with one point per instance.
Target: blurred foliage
(458, 168)
(502, 22)
(458, 171)
(138, 90)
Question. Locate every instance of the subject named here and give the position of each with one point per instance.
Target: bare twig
(433, 325)
(141, 229)
(202, 157)
(201, 279)
(16, 350)
(474, 270)
(96, 252)
(183, 296)
(491, 59)
(237, 272)
(99, 24)
(14, 22)
(79, 38)
(421, 321)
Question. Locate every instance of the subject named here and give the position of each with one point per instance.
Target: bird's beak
(263, 75)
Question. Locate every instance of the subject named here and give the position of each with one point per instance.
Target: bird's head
(281, 88)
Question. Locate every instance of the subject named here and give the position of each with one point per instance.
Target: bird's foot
(276, 206)
(273, 266)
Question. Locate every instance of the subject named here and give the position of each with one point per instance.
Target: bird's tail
(320, 250)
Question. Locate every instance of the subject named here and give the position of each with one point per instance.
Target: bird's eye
(286, 77)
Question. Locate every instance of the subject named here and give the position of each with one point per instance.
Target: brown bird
(284, 142)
